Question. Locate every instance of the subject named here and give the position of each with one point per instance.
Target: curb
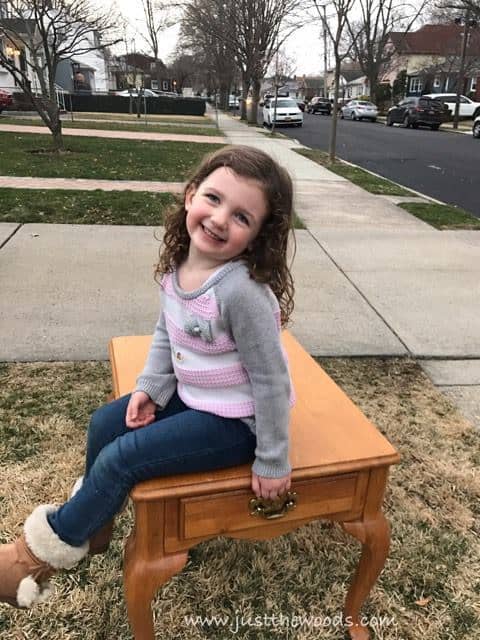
(467, 132)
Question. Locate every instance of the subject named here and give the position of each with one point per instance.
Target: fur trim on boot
(28, 563)
(46, 545)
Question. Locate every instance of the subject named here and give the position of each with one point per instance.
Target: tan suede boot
(100, 541)
(27, 564)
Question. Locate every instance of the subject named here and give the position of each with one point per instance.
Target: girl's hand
(140, 410)
(270, 487)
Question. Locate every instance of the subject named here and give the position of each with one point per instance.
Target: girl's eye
(243, 218)
(213, 197)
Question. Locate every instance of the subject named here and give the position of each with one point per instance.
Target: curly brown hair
(266, 257)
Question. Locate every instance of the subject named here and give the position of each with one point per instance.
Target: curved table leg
(374, 534)
(142, 579)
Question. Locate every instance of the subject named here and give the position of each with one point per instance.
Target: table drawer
(208, 515)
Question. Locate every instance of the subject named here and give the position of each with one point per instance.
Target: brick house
(431, 59)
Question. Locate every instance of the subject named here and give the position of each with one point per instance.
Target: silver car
(359, 110)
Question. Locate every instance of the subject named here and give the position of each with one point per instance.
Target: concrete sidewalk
(120, 134)
(86, 184)
(371, 280)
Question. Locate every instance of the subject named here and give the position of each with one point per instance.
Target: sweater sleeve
(157, 378)
(248, 312)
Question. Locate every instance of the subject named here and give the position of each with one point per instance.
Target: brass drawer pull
(271, 509)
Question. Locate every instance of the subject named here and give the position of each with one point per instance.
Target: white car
(468, 108)
(287, 112)
(148, 93)
(359, 110)
(476, 127)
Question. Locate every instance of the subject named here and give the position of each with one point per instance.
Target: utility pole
(467, 23)
(325, 52)
(276, 93)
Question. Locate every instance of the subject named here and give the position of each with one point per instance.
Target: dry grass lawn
(431, 584)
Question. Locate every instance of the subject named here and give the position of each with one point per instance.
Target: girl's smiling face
(224, 215)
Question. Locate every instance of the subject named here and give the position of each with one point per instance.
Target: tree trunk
(333, 131)
(243, 106)
(255, 100)
(223, 96)
(55, 126)
(372, 85)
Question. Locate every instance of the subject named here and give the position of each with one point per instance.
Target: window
(473, 84)
(416, 85)
(436, 82)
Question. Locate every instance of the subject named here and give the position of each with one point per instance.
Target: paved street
(442, 165)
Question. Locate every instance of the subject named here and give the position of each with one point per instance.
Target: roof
(313, 82)
(141, 59)
(436, 39)
(351, 71)
(17, 25)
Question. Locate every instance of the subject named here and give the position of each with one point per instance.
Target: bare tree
(205, 30)
(341, 48)
(252, 30)
(46, 32)
(436, 14)
(158, 17)
(284, 68)
(370, 34)
(183, 67)
(460, 6)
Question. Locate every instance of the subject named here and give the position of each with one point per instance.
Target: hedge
(121, 104)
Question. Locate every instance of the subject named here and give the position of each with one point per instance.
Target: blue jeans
(181, 440)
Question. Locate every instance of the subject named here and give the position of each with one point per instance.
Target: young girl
(215, 391)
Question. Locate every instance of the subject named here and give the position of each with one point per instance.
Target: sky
(304, 47)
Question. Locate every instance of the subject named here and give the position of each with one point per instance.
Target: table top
(329, 434)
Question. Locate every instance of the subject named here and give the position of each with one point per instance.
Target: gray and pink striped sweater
(219, 346)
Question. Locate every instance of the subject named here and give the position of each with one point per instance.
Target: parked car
(320, 105)
(476, 127)
(165, 94)
(359, 110)
(233, 102)
(148, 93)
(287, 112)
(301, 104)
(270, 96)
(5, 100)
(415, 111)
(468, 108)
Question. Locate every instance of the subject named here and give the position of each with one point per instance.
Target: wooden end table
(339, 463)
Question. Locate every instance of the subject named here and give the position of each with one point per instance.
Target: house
(84, 72)
(140, 70)
(12, 43)
(352, 82)
(311, 86)
(430, 57)
(357, 87)
(293, 87)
